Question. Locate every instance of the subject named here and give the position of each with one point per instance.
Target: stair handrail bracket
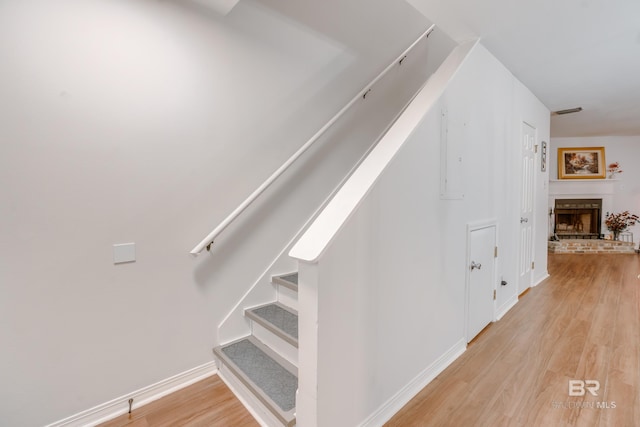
(208, 241)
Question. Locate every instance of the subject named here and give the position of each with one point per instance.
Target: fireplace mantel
(582, 187)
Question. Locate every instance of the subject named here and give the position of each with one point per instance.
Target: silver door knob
(475, 265)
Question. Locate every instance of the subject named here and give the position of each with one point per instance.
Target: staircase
(262, 368)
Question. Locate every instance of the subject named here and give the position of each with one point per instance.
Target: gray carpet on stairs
(283, 319)
(274, 380)
(293, 278)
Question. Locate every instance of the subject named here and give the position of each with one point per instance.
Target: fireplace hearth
(578, 218)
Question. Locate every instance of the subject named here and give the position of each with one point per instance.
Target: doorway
(527, 190)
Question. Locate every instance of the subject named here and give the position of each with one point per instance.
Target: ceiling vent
(568, 111)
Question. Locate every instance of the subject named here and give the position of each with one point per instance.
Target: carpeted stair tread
(278, 319)
(289, 280)
(270, 376)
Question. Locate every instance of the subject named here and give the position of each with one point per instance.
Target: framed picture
(543, 157)
(581, 163)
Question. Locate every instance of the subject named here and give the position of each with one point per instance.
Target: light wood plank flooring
(582, 323)
(207, 403)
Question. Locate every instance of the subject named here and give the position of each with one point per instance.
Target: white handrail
(208, 241)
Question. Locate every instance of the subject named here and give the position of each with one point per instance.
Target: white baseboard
(141, 397)
(402, 397)
(504, 308)
(542, 279)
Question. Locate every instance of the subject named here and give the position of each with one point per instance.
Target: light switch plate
(124, 252)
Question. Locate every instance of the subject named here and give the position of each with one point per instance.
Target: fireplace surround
(584, 189)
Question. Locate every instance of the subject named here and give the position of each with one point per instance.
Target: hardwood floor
(207, 403)
(582, 323)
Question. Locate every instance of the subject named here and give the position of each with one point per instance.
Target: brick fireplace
(581, 193)
(576, 213)
(585, 246)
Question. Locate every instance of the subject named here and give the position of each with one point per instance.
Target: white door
(525, 262)
(481, 267)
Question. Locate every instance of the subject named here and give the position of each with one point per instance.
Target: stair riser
(251, 392)
(248, 398)
(288, 297)
(277, 344)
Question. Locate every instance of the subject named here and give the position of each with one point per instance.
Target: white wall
(622, 149)
(148, 122)
(390, 285)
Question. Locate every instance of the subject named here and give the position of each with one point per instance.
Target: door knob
(475, 265)
(524, 220)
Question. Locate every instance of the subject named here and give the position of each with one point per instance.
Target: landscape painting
(581, 163)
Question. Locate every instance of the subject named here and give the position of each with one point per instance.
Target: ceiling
(570, 53)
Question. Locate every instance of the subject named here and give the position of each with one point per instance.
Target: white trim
(141, 397)
(483, 223)
(408, 392)
(542, 279)
(504, 308)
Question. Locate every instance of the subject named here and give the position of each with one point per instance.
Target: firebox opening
(578, 218)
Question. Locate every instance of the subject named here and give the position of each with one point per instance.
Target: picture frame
(581, 163)
(543, 156)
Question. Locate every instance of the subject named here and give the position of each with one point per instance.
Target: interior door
(525, 263)
(481, 283)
